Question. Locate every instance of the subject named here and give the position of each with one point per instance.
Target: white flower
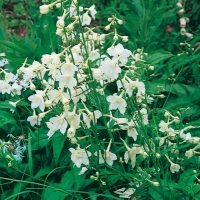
(110, 68)
(16, 89)
(123, 193)
(66, 81)
(107, 156)
(80, 156)
(3, 62)
(131, 153)
(117, 102)
(119, 52)
(97, 74)
(174, 167)
(189, 153)
(5, 87)
(59, 123)
(91, 117)
(92, 11)
(94, 54)
(37, 100)
(34, 119)
(144, 114)
(51, 129)
(83, 170)
(68, 68)
(86, 19)
(73, 119)
(78, 94)
(163, 126)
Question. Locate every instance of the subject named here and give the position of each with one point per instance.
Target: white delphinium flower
(189, 153)
(16, 89)
(3, 62)
(51, 58)
(110, 68)
(97, 74)
(144, 115)
(5, 87)
(117, 102)
(123, 193)
(173, 166)
(10, 77)
(107, 156)
(86, 19)
(83, 170)
(51, 129)
(55, 95)
(163, 126)
(131, 153)
(66, 81)
(92, 11)
(59, 123)
(130, 127)
(132, 85)
(79, 94)
(34, 119)
(94, 54)
(80, 156)
(120, 53)
(73, 119)
(90, 116)
(37, 100)
(68, 68)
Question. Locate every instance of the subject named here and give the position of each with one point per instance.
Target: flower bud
(71, 133)
(60, 23)
(179, 5)
(151, 67)
(107, 27)
(119, 21)
(125, 38)
(44, 9)
(181, 11)
(183, 31)
(81, 9)
(189, 35)
(115, 38)
(58, 5)
(182, 22)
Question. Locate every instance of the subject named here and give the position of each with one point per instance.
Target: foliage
(99, 105)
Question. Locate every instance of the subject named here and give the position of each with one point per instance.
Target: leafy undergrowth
(99, 100)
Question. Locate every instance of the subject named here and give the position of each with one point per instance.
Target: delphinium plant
(88, 118)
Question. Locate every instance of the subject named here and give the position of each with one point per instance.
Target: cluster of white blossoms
(183, 20)
(170, 138)
(69, 93)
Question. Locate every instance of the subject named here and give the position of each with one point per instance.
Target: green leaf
(6, 118)
(21, 49)
(155, 194)
(58, 143)
(44, 171)
(55, 191)
(6, 105)
(158, 56)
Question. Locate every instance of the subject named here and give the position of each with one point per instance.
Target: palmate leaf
(6, 118)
